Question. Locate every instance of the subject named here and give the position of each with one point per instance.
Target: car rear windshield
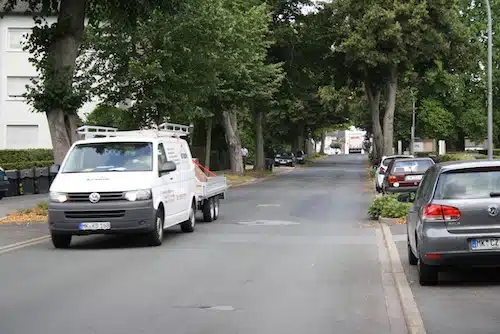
(471, 184)
(110, 157)
(412, 166)
(284, 155)
(387, 161)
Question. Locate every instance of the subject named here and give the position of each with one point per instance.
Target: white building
(20, 127)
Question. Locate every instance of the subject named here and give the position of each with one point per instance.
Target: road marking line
(23, 244)
(268, 205)
(414, 321)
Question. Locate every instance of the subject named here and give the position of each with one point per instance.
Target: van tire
(208, 210)
(61, 240)
(188, 225)
(216, 207)
(155, 238)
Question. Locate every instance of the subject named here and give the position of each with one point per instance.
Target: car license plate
(485, 244)
(94, 226)
(413, 177)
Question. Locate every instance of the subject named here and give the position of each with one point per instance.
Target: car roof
(398, 156)
(466, 164)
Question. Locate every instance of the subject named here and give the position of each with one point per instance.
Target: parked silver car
(454, 220)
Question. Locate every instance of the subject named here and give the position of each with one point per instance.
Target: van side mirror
(406, 197)
(167, 167)
(54, 169)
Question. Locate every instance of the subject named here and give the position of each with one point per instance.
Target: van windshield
(110, 157)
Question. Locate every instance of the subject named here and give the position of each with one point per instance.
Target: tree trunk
(392, 89)
(260, 163)
(61, 58)
(323, 138)
(373, 95)
(300, 138)
(208, 143)
(233, 141)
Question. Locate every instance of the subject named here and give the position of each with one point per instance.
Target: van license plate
(94, 226)
(485, 244)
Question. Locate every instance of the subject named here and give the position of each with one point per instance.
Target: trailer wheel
(216, 207)
(208, 210)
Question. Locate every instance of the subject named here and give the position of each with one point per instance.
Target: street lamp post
(412, 141)
(490, 82)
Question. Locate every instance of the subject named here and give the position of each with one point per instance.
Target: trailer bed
(215, 185)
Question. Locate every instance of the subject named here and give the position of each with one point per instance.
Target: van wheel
(216, 208)
(156, 236)
(208, 210)
(188, 225)
(427, 275)
(61, 240)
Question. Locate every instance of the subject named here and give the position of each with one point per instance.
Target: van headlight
(58, 197)
(138, 195)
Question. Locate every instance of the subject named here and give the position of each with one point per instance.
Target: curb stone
(414, 322)
(388, 221)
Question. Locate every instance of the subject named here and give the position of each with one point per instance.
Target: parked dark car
(284, 159)
(301, 157)
(455, 218)
(404, 175)
(4, 183)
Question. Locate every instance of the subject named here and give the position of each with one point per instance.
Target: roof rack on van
(163, 130)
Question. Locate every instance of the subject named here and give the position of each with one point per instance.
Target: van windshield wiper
(495, 194)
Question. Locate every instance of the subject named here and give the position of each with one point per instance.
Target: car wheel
(61, 240)
(155, 237)
(216, 208)
(188, 225)
(411, 257)
(208, 210)
(427, 275)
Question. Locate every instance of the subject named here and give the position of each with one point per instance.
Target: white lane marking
(268, 205)
(414, 321)
(23, 244)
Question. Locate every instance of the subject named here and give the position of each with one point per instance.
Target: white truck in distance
(140, 182)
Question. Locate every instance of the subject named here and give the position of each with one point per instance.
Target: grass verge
(37, 214)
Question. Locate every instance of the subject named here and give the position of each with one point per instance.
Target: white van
(127, 182)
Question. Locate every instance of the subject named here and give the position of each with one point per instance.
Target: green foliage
(14, 156)
(388, 206)
(107, 115)
(438, 122)
(26, 164)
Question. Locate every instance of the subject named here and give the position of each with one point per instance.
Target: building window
(16, 87)
(21, 136)
(17, 38)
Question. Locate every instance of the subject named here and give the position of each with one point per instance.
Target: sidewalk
(9, 204)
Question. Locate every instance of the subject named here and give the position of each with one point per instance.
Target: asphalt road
(464, 302)
(294, 254)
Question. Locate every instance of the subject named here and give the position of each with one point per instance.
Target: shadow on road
(470, 277)
(120, 241)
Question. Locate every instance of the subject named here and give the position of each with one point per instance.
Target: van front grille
(105, 196)
(94, 214)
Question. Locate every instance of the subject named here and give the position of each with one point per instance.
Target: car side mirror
(54, 169)
(167, 167)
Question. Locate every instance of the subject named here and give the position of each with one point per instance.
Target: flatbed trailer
(210, 189)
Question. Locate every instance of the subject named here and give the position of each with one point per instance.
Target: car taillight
(441, 212)
(393, 179)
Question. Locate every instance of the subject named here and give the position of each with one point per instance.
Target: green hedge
(27, 164)
(388, 206)
(13, 156)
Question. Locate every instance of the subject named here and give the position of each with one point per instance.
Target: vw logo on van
(94, 197)
(493, 210)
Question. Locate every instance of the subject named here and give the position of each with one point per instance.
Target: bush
(12, 156)
(387, 206)
(26, 164)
